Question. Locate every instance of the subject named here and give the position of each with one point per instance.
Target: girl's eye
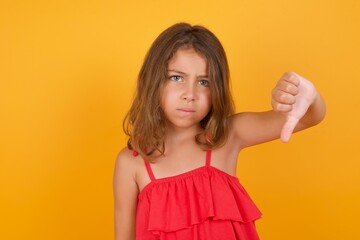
(176, 78)
(204, 83)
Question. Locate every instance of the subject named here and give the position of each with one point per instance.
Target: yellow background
(67, 75)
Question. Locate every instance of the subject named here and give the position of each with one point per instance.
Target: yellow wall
(67, 74)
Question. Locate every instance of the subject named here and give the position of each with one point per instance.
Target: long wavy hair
(145, 123)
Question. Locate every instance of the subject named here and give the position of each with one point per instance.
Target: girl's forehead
(188, 59)
(191, 51)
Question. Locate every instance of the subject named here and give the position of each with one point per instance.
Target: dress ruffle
(205, 203)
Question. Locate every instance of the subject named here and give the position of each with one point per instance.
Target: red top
(204, 204)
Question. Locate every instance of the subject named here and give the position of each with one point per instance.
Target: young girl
(176, 178)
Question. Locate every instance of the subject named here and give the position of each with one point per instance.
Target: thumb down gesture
(292, 95)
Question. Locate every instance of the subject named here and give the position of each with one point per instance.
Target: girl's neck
(176, 136)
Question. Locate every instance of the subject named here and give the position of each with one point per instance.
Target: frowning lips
(186, 110)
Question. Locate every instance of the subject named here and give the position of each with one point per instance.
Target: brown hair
(145, 122)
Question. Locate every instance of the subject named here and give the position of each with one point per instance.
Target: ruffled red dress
(203, 204)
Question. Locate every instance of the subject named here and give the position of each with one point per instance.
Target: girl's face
(186, 96)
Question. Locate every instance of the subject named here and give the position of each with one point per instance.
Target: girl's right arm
(125, 196)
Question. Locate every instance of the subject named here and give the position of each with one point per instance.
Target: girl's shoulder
(132, 167)
(124, 156)
(127, 160)
(126, 163)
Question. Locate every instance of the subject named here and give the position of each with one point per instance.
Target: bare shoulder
(125, 170)
(127, 166)
(125, 160)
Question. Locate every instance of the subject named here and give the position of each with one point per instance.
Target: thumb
(288, 128)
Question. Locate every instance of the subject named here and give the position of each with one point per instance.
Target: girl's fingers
(292, 78)
(288, 128)
(288, 87)
(283, 97)
(280, 107)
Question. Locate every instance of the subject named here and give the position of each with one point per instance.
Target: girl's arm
(125, 196)
(296, 106)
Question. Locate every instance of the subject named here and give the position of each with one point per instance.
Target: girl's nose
(189, 98)
(189, 93)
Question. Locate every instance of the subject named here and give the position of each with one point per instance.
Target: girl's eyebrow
(180, 72)
(177, 71)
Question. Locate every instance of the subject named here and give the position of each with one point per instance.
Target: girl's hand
(292, 96)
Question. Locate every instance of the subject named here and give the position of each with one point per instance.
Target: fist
(292, 96)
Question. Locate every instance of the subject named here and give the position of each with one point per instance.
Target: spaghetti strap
(151, 174)
(208, 157)
(147, 165)
(148, 168)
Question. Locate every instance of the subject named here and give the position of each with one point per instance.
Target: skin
(185, 100)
